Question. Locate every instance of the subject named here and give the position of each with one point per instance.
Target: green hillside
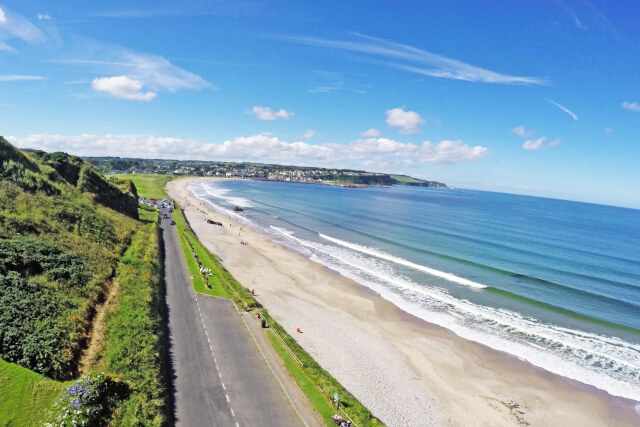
(415, 182)
(66, 234)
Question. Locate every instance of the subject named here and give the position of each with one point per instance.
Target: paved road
(219, 376)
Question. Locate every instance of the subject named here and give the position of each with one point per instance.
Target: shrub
(29, 333)
(88, 401)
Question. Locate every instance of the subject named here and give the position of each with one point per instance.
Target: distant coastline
(259, 171)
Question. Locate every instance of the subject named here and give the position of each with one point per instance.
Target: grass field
(149, 186)
(25, 397)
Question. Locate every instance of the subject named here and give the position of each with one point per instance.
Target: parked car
(173, 222)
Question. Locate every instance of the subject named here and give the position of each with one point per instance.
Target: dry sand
(406, 371)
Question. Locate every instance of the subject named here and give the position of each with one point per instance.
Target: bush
(29, 333)
(88, 401)
(30, 257)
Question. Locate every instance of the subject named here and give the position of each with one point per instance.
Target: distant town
(260, 171)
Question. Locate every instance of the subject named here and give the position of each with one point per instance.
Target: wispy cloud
(332, 82)
(521, 131)
(14, 26)
(539, 144)
(266, 113)
(187, 8)
(43, 17)
(415, 60)
(19, 77)
(309, 134)
(571, 14)
(565, 109)
(153, 72)
(631, 106)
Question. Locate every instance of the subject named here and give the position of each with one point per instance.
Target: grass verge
(315, 396)
(25, 396)
(316, 383)
(190, 245)
(134, 339)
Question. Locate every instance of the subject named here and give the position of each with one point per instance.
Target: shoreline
(419, 367)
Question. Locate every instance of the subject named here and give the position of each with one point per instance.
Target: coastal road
(219, 378)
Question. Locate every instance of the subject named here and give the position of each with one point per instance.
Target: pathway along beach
(406, 371)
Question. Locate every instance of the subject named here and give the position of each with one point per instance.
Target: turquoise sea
(553, 282)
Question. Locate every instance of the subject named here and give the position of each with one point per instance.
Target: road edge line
(264, 357)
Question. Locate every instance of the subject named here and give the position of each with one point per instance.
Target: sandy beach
(406, 371)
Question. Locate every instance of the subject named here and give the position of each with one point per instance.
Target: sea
(552, 282)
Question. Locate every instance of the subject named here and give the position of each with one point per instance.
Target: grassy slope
(405, 178)
(36, 202)
(25, 397)
(134, 331)
(316, 383)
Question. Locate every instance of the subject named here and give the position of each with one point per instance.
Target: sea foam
(379, 254)
(608, 363)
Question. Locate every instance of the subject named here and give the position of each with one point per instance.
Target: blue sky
(533, 97)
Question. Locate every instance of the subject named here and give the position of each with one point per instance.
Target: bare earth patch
(88, 359)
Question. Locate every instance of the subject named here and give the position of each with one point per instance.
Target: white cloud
(538, 144)
(152, 71)
(407, 120)
(437, 65)
(122, 87)
(19, 77)
(266, 113)
(631, 106)
(565, 109)
(309, 134)
(382, 145)
(450, 152)
(521, 131)
(370, 133)
(259, 147)
(43, 17)
(15, 26)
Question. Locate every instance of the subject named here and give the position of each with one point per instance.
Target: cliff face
(415, 182)
(63, 228)
(435, 184)
(74, 171)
